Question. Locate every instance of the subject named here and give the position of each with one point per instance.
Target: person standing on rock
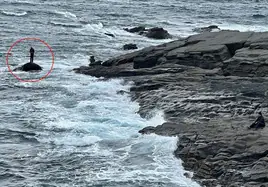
(93, 62)
(30, 66)
(31, 55)
(259, 123)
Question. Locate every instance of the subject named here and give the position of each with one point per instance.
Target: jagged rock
(156, 32)
(130, 46)
(29, 67)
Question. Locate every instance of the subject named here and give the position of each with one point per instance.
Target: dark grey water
(74, 130)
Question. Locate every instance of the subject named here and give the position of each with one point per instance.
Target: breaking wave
(66, 14)
(14, 13)
(71, 25)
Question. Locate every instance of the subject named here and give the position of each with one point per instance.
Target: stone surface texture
(210, 87)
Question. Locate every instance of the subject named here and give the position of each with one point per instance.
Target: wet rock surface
(209, 111)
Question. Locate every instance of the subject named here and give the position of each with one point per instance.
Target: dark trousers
(31, 57)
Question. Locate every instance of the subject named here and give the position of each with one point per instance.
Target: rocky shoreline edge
(211, 87)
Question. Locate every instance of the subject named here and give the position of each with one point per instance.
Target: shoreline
(210, 87)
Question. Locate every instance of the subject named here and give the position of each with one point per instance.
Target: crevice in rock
(233, 47)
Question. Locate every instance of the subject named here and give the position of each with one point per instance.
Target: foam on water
(75, 130)
(14, 13)
(66, 14)
(87, 122)
(252, 27)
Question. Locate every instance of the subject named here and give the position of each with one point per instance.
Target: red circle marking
(33, 80)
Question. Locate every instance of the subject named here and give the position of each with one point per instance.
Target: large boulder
(29, 67)
(157, 33)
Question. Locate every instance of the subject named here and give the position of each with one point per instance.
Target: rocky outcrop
(29, 67)
(207, 110)
(252, 59)
(155, 33)
(236, 53)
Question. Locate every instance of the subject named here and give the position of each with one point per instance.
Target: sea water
(76, 130)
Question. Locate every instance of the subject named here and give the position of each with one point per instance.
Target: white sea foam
(8, 13)
(87, 115)
(240, 27)
(71, 25)
(66, 14)
(96, 28)
(74, 114)
(21, 2)
(157, 119)
(91, 114)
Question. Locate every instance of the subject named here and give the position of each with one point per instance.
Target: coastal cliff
(211, 87)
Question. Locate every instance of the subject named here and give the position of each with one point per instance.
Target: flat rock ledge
(210, 87)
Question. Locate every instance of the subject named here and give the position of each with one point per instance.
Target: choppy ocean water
(75, 130)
